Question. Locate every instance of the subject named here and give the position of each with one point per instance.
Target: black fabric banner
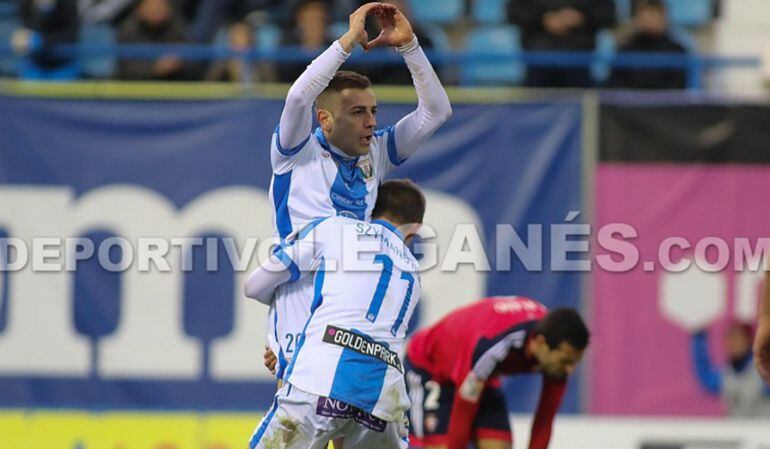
(685, 133)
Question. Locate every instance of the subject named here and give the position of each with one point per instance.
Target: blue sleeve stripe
(290, 151)
(390, 131)
(392, 150)
(286, 260)
(310, 226)
(708, 376)
(281, 188)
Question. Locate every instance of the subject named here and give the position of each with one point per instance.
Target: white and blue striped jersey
(315, 180)
(361, 306)
(310, 181)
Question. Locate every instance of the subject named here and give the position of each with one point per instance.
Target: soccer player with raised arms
(346, 379)
(336, 168)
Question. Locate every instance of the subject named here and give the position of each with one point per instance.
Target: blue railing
(694, 64)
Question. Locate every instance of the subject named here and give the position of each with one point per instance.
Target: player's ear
(325, 119)
(409, 231)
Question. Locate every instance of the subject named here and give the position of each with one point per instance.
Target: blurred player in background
(453, 371)
(336, 168)
(742, 391)
(762, 336)
(346, 378)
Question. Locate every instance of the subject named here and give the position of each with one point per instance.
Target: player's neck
(335, 149)
(384, 221)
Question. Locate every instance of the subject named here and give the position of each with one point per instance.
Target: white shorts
(300, 420)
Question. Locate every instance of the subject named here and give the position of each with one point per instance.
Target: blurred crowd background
(272, 41)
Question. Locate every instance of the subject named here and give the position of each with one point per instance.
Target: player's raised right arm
(297, 116)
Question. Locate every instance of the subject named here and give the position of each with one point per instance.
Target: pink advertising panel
(641, 361)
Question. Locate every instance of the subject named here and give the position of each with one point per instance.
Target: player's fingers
(374, 43)
(387, 7)
(367, 8)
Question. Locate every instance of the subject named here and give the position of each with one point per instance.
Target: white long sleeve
(433, 108)
(264, 280)
(297, 116)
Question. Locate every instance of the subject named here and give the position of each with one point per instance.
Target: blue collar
(336, 152)
(390, 226)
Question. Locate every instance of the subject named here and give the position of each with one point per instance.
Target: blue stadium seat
(605, 50)
(9, 64)
(689, 13)
(268, 36)
(437, 11)
(337, 29)
(504, 40)
(102, 66)
(489, 11)
(8, 9)
(685, 39)
(438, 36)
(440, 45)
(623, 9)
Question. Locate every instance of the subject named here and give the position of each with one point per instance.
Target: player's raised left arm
(550, 399)
(433, 107)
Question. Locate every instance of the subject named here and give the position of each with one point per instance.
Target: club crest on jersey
(365, 164)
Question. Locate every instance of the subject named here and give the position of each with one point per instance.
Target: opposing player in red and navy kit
(453, 371)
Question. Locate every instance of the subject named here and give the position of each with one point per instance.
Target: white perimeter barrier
(581, 432)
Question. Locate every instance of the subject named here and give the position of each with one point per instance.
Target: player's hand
(356, 34)
(762, 347)
(270, 360)
(396, 30)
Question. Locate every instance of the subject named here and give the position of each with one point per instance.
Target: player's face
(559, 362)
(737, 343)
(354, 121)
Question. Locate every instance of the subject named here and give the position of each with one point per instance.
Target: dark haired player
(453, 371)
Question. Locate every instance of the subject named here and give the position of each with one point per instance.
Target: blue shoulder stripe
(281, 189)
(290, 151)
(286, 260)
(310, 226)
(392, 150)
